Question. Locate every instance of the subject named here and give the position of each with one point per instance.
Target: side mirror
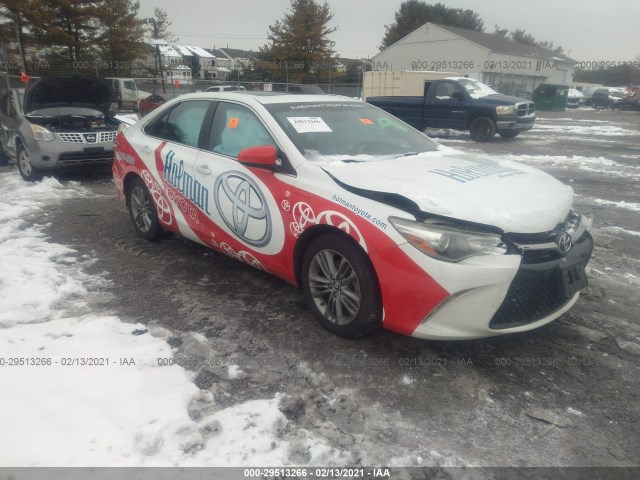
(457, 95)
(265, 156)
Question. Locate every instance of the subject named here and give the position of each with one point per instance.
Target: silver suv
(58, 122)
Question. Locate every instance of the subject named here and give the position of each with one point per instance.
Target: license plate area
(573, 278)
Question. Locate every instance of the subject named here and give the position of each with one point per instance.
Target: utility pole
(5, 65)
(158, 56)
(22, 59)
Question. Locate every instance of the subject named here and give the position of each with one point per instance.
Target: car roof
(266, 98)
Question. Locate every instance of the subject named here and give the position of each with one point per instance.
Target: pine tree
(70, 24)
(13, 24)
(300, 41)
(415, 13)
(121, 34)
(162, 26)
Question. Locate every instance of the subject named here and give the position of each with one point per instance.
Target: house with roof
(507, 66)
(219, 66)
(239, 59)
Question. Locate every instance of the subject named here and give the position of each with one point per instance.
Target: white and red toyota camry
(377, 224)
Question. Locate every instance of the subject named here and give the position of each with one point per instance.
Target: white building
(507, 66)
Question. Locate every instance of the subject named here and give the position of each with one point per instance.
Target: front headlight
(448, 242)
(41, 134)
(506, 110)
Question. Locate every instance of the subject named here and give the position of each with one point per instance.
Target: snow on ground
(621, 230)
(608, 130)
(569, 119)
(598, 165)
(634, 207)
(81, 388)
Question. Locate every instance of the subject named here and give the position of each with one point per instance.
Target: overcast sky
(586, 29)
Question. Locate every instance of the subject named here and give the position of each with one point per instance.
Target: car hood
(499, 99)
(508, 195)
(69, 91)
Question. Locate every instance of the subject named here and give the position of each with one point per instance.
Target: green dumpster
(551, 97)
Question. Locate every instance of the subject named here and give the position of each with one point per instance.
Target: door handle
(203, 169)
(146, 149)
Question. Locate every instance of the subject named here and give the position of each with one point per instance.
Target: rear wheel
(341, 287)
(509, 134)
(482, 129)
(142, 210)
(28, 171)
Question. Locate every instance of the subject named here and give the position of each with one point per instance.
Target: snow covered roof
(201, 52)
(184, 51)
(169, 51)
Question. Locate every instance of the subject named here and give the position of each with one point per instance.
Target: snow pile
(85, 389)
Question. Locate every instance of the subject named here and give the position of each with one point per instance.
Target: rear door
(168, 147)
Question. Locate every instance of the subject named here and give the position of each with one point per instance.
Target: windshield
(475, 88)
(353, 129)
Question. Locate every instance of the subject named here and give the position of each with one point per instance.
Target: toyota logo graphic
(243, 208)
(565, 243)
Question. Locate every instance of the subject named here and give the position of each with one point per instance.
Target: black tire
(28, 171)
(341, 286)
(482, 129)
(143, 211)
(509, 134)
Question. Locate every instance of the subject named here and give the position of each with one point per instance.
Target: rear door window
(182, 124)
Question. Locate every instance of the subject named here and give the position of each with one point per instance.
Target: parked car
(586, 95)
(631, 101)
(607, 97)
(226, 88)
(58, 122)
(462, 104)
(575, 98)
(149, 104)
(377, 224)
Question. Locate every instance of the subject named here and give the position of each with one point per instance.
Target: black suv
(606, 97)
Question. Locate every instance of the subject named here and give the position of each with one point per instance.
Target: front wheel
(28, 171)
(341, 287)
(142, 210)
(509, 134)
(482, 129)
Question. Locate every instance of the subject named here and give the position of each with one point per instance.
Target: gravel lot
(563, 395)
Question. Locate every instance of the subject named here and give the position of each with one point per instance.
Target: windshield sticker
(467, 174)
(233, 122)
(366, 121)
(309, 124)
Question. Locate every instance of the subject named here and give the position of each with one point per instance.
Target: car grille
(91, 137)
(536, 290)
(526, 109)
(80, 158)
